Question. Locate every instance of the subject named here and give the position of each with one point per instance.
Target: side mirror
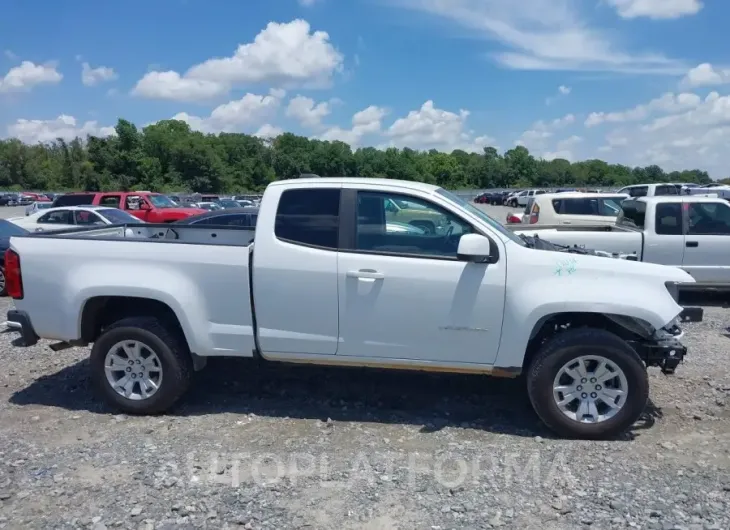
(475, 248)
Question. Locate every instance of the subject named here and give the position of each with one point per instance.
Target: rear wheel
(141, 366)
(3, 290)
(588, 383)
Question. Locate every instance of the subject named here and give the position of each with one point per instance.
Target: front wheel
(141, 366)
(588, 383)
(3, 290)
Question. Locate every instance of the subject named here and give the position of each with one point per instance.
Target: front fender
(533, 301)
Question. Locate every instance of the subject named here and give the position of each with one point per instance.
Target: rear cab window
(112, 201)
(309, 217)
(638, 191)
(668, 219)
(632, 214)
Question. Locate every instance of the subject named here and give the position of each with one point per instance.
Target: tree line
(169, 156)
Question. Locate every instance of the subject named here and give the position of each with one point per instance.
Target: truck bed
(201, 273)
(160, 233)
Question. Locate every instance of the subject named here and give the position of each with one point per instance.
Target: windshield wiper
(529, 240)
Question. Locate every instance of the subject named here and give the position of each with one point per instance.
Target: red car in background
(147, 206)
(35, 197)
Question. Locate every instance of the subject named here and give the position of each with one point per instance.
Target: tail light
(535, 214)
(13, 277)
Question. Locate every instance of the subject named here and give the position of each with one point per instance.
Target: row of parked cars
(81, 210)
(686, 227)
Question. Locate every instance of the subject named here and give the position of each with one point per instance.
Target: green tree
(169, 156)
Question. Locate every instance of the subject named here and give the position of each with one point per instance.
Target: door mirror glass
(474, 248)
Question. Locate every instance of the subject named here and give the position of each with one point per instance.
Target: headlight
(673, 288)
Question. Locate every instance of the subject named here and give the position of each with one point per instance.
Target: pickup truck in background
(144, 205)
(326, 282)
(685, 231)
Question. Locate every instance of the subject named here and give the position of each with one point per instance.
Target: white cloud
(540, 137)
(268, 131)
(27, 75)
(562, 92)
(545, 35)
(308, 3)
(667, 103)
(65, 127)
(656, 9)
(287, 55)
(10, 55)
(237, 115)
(706, 75)
(695, 137)
(433, 128)
(364, 122)
(169, 85)
(93, 76)
(307, 112)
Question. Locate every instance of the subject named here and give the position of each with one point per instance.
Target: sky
(636, 82)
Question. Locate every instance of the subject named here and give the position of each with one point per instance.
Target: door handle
(692, 244)
(566, 222)
(366, 274)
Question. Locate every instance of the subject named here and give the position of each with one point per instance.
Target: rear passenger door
(707, 243)
(295, 271)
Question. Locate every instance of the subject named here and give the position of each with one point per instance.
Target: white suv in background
(652, 190)
(574, 208)
(523, 197)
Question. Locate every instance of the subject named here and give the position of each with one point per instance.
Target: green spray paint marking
(566, 267)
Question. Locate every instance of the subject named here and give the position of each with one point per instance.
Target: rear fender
(162, 284)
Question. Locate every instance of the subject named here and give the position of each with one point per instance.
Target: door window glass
(416, 227)
(709, 218)
(58, 217)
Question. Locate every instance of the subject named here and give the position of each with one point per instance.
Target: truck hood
(609, 267)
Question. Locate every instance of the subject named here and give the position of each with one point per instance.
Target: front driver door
(404, 295)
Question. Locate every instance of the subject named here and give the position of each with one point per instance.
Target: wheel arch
(625, 327)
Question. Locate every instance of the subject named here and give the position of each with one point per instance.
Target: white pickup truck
(325, 282)
(686, 231)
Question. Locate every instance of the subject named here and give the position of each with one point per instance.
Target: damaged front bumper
(663, 348)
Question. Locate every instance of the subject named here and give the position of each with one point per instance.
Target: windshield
(43, 205)
(228, 203)
(8, 229)
(161, 201)
(455, 199)
(117, 217)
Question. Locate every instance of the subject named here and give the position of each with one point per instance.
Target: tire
(3, 288)
(171, 351)
(571, 345)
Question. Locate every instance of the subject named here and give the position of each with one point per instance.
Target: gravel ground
(278, 447)
(308, 447)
